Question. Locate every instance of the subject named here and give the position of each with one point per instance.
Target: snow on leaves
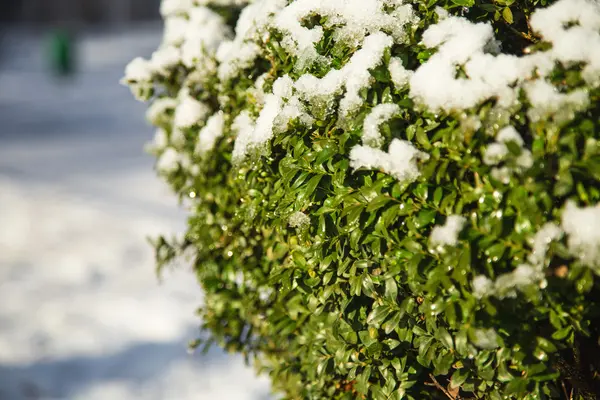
(466, 69)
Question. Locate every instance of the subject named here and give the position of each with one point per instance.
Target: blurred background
(82, 315)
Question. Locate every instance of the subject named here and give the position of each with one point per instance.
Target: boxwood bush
(388, 199)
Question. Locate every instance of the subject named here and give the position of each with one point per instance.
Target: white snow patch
(509, 134)
(169, 161)
(400, 75)
(158, 110)
(541, 241)
(283, 87)
(351, 20)
(139, 76)
(189, 111)
(211, 132)
(357, 75)
(435, 84)
(546, 101)
(532, 273)
(462, 44)
(240, 53)
(486, 339)
(498, 152)
(165, 59)
(175, 29)
(263, 130)
(159, 142)
(581, 225)
(494, 153)
(482, 286)
(522, 276)
(138, 70)
(244, 126)
(279, 108)
(470, 123)
(380, 114)
(172, 7)
(299, 220)
(400, 160)
(442, 13)
(447, 234)
(572, 44)
(353, 76)
(501, 174)
(291, 110)
(206, 30)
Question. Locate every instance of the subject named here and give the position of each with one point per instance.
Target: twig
(565, 390)
(530, 30)
(440, 387)
(526, 36)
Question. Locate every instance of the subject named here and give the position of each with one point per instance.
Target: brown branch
(564, 388)
(527, 36)
(443, 389)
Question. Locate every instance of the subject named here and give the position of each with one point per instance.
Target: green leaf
(488, 7)
(443, 363)
(460, 341)
(378, 202)
(378, 315)
(425, 217)
(310, 188)
(391, 290)
(495, 251)
(464, 3)
(386, 96)
(368, 286)
(459, 377)
(507, 15)
(422, 138)
(516, 386)
(362, 379)
(562, 333)
(299, 259)
(546, 345)
(437, 195)
(392, 323)
(444, 337)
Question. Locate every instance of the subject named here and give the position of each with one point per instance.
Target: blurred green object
(61, 52)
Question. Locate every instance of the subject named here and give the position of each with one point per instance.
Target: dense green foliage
(355, 304)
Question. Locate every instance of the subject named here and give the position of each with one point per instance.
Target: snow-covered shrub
(389, 198)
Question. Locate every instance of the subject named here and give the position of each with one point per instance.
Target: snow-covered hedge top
(394, 187)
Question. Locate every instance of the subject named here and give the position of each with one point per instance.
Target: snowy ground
(82, 314)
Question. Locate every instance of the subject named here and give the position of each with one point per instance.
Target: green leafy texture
(355, 305)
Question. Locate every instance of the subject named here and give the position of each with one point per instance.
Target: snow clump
(526, 274)
(211, 132)
(581, 225)
(169, 161)
(447, 234)
(380, 114)
(400, 161)
(486, 339)
(498, 152)
(299, 220)
(469, 46)
(190, 111)
(351, 20)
